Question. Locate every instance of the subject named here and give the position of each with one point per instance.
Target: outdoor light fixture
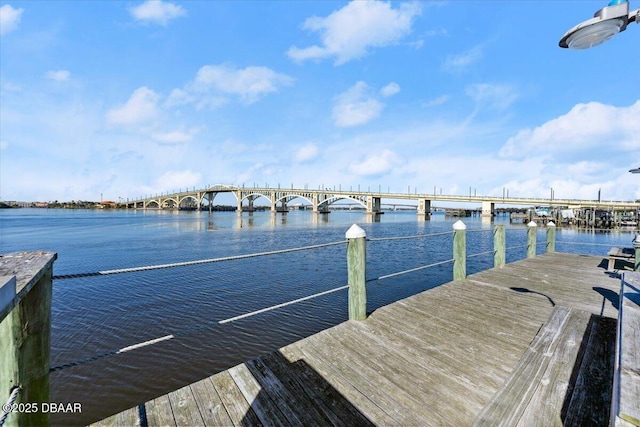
(606, 23)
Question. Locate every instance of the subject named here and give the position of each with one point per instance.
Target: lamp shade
(594, 34)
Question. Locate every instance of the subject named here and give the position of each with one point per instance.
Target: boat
(542, 211)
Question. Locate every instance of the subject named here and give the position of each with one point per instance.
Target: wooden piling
(499, 246)
(356, 270)
(531, 239)
(459, 251)
(636, 246)
(25, 334)
(551, 237)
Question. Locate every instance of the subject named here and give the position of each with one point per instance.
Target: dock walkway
(433, 359)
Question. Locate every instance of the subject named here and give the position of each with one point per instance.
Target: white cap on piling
(532, 224)
(355, 232)
(459, 225)
(551, 224)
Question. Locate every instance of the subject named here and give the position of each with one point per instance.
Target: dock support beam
(531, 239)
(459, 251)
(356, 269)
(499, 246)
(551, 237)
(25, 332)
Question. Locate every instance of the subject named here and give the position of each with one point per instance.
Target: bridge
(321, 199)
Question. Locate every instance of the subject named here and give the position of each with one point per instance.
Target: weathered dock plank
(628, 411)
(535, 392)
(436, 358)
(365, 377)
(209, 403)
(340, 383)
(291, 405)
(301, 379)
(159, 412)
(266, 410)
(239, 410)
(184, 407)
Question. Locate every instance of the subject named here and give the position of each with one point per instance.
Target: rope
(191, 331)
(7, 408)
(380, 239)
(481, 253)
(516, 247)
(197, 262)
(586, 243)
(386, 276)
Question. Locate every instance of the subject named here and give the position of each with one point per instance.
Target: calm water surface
(94, 316)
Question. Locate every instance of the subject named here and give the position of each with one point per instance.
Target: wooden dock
(434, 359)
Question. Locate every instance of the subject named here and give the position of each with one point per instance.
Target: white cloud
(249, 83)
(177, 179)
(497, 96)
(457, 63)
(376, 164)
(591, 126)
(390, 89)
(157, 12)
(356, 106)
(141, 107)
(436, 101)
(214, 83)
(306, 153)
(57, 75)
(9, 18)
(349, 32)
(175, 137)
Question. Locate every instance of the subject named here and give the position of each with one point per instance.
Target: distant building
(106, 204)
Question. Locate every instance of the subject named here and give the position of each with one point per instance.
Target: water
(94, 316)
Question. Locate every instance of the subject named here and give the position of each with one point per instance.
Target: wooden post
(531, 239)
(499, 246)
(459, 251)
(25, 334)
(636, 246)
(356, 267)
(551, 237)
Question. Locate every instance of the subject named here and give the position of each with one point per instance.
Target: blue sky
(127, 98)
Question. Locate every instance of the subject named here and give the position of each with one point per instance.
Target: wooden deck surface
(434, 359)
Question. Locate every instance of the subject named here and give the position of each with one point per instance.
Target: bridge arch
(332, 199)
(169, 203)
(207, 195)
(255, 195)
(152, 204)
(290, 196)
(187, 197)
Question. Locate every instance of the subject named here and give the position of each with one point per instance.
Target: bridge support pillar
(239, 198)
(424, 207)
(488, 209)
(373, 204)
(250, 200)
(283, 207)
(315, 200)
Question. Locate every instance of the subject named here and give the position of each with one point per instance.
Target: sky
(121, 99)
